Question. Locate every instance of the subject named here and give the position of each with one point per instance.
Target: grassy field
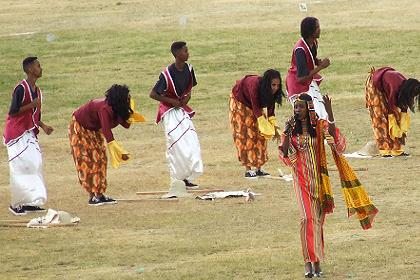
(98, 43)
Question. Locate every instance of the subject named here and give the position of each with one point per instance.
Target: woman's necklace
(302, 140)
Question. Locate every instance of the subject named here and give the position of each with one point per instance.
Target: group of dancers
(389, 97)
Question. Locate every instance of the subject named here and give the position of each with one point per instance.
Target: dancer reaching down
(251, 124)
(90, 134)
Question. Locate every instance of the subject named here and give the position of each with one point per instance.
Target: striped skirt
(89, 153)
(251, 146)
(378, 110)
(311, 225)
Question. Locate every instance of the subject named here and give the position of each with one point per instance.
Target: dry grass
(104, 42)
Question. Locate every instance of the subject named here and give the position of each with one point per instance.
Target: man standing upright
(173, 91)
(303, 76)
(27, 186)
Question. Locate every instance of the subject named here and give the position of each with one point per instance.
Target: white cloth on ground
(26, 180)
(53, 217)
(230, 194)
(316, 95)
(183, 147)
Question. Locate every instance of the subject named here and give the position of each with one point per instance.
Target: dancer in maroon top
(252, 118)
(389, 95)
(91, 124)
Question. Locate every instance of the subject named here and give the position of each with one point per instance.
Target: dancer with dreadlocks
(90, 124)
(251, 125)
(389, 95)
(302, 148)
(303, 75)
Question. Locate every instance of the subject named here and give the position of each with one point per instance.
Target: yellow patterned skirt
(251, 146)
(379, 111)
(89, 153)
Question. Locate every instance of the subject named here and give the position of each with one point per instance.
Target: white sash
(26, 181)
(183, 148)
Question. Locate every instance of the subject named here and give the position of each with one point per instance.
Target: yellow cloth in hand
(267, 130)
(135, 117)
(397, 130)
(405, 122)
(115, 154)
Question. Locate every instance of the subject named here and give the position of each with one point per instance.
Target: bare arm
(26, 107)
(331, 121)
(185, 99)
(46, 128)
(321, 65)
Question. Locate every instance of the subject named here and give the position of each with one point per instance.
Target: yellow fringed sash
(355, 196)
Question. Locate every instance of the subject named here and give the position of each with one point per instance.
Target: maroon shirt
(389, 81)
(246, 92)
(98, 115)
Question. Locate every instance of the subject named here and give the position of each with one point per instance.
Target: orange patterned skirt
(89, 153)
(378, 110)
(251, 146)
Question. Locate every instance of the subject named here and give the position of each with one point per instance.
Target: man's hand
(185, 99)
(125, 157)
(46, 128)
(176, 103)
(34, 103)
(324, 63)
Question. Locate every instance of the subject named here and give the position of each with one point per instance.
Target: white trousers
(183, 148)
(316, 95)
(26, 180)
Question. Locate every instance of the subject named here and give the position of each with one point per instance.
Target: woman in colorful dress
(251, 125)
(302, 148)
(89, 128)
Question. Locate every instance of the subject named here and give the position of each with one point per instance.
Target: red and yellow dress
(307, 158)
(304, 157)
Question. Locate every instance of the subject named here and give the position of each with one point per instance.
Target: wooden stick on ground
(14, 221)
(354, 169)
(190, 191)
(148, 200)
(14, 224)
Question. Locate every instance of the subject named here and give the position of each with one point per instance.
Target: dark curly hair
(409, 91)
(298, 124)
(117, 97)
(308, 27)
(265, 95)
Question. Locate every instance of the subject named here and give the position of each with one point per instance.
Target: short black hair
(177, 46)
(28, 61)
(308, 27)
